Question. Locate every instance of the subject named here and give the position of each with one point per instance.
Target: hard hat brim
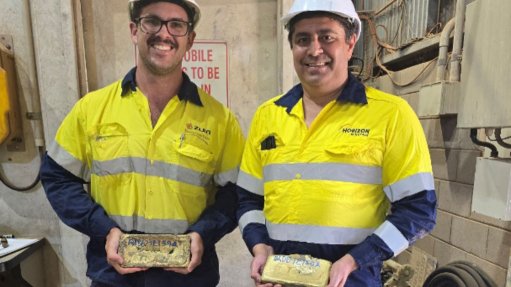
(285, 20)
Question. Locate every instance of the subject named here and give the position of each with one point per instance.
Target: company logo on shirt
(198, 132)
(356, 132)
(190, 126)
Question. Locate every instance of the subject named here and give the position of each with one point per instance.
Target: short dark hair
(135, 9)
(350, 28)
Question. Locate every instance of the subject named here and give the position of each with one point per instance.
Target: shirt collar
(353, 92)
(187, 92)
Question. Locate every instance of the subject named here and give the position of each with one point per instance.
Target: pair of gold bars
(168, 250)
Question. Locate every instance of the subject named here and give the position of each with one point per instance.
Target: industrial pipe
(473, 137)
(458, 41)
(35, 96)
(443, 50)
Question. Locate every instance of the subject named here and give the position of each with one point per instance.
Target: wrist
(114, 230)
(350, 260)
(262, 249)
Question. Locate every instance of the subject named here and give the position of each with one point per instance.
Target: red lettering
(206, 88)
(214, 73)
(198, 55)
(197, 72)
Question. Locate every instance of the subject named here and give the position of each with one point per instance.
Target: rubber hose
(446, 280)
(475, 275)
(459, 274)
(466, 279)
(489, 282)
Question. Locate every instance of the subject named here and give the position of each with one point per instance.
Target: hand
(197, 250)
(112, 257)
(341, 269)
(261, 252)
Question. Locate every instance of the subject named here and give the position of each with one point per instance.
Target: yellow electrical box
(11, 125)
(5, 106)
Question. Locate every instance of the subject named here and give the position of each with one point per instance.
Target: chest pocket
(109, 141)
(368, 152)
(192, 157)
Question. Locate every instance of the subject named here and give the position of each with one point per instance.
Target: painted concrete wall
(43, 38)
(48, 64)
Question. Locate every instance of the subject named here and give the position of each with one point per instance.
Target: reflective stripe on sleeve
(68, 161)
(250, 183)
(129, 223)
(392, 237)
(317, 234)
(227, 176)
(409, 186)
(157, 168)
(253, 216)
(324, 171)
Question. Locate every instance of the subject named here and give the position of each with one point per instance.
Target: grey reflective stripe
(225, 177)
(324, 171)
(157, 168)
(410, 186)
(392, 237)
(145, 225)
(317, 234)
(250, 183)
(69, 162)
(252, 216)
(117, 166)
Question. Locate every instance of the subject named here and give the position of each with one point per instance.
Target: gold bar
(154, 250)
(296, 270)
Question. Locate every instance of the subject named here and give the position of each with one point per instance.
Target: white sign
(207, 66)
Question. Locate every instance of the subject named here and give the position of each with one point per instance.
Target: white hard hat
(189, 3)
(343, 8)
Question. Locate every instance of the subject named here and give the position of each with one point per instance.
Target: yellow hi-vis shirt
(333, 182)
(150, 179)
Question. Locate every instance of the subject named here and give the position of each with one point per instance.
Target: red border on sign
(226, 65)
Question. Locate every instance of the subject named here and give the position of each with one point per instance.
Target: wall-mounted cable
(473, 137)
(500, 140)
(23, 188)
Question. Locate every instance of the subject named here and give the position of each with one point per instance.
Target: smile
(313, 65)
(162, 47)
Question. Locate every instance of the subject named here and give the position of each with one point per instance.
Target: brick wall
(460, 234)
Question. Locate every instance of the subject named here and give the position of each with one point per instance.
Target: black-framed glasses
(152, 25)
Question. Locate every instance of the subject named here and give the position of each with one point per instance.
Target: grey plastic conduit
(458, 41)
(443, 50)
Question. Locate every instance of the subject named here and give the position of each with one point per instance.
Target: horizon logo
(356, 132)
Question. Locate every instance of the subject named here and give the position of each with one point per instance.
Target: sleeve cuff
(104, 227)
(371, 251)
(255, 233)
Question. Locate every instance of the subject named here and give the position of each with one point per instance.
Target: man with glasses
(160, 154)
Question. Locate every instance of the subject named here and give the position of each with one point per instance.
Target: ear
(191, 38)
(134, 32)
(351, 44)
